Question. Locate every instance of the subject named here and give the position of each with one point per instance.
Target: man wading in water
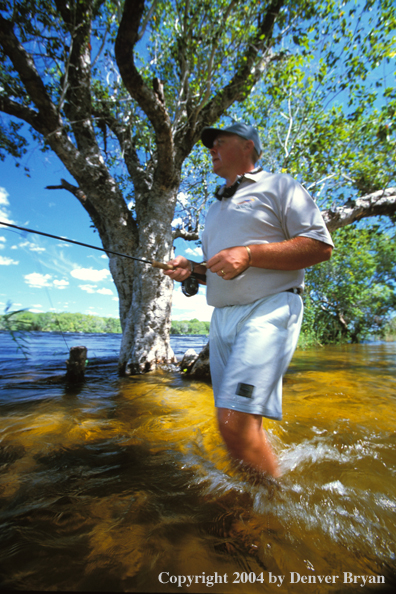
(260, 235)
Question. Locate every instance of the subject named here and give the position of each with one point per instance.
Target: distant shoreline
(64, 322)
(26, 321)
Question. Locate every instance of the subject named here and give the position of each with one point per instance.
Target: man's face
(227, 154)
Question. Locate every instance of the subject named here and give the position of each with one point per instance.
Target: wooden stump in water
(76, 364)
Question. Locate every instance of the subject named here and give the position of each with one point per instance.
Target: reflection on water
(124, 484)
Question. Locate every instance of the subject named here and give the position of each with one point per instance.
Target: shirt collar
(227, 192)
(253, 175)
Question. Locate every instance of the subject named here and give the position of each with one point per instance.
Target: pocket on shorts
(262, 332)
(296, 308)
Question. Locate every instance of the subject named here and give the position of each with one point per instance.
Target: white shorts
(250, 350)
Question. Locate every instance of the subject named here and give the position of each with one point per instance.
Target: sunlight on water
(125, 484)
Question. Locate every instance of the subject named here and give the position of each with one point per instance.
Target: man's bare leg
(246, 440)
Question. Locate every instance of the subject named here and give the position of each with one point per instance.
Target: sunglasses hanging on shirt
(228, 191)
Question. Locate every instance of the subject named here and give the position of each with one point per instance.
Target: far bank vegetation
(76, 322)
(26, 321)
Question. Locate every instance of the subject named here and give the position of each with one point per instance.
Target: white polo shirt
(266, 208)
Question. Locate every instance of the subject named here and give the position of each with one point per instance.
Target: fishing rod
(153, 263)
(189, 287)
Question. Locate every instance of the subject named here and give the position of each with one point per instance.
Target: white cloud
(37, 305)
(32, 246)
(115, 299)
(104, 256)
(61, 284)
(89, 274)
(194, 252)
(93, 289)
(183, 198)
(3, 239)
(36, 280)
(43, 280)
(88, 288)
(4, 214)
(4, 197)
(177, 222)
(187, 308)
(7, 261)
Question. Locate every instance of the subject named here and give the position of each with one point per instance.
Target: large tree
(120, 91)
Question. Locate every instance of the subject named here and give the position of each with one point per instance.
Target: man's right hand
(182, 269)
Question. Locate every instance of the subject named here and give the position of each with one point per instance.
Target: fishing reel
(190, 286)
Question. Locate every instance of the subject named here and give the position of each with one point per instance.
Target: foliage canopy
(353, 295)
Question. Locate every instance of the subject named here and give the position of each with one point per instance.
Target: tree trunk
(145, 340)
(145, 293)
(146, 327)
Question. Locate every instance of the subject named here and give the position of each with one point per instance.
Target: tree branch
(250, 66)
(184, 234)
(131, 159)
(78, 73)
(47, 119)
(378, 203)
(146, 20)
(19, 111)
(212, 55)
(248, 71)
(83, 199)
(75, 190)
(152, 103)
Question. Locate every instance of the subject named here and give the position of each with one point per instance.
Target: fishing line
(52, 305)
(50, 301)
(189, 286)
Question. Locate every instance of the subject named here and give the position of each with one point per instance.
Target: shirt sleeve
(300, 215)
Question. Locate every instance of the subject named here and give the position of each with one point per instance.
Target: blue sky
(42, 274)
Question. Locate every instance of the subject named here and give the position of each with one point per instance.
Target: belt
(296, 291)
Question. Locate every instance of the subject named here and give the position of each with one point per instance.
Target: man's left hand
(229, 263)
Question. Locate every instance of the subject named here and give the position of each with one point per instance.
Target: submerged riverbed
(123, 484)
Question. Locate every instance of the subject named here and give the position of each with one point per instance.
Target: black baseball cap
(243, 130)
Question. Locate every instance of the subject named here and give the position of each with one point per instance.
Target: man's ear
(249, 147)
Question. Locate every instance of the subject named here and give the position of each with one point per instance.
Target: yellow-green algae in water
(127, 481)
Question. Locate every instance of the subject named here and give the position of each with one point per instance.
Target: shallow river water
(123, 484)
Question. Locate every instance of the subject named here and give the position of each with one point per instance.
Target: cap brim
(208, 136)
